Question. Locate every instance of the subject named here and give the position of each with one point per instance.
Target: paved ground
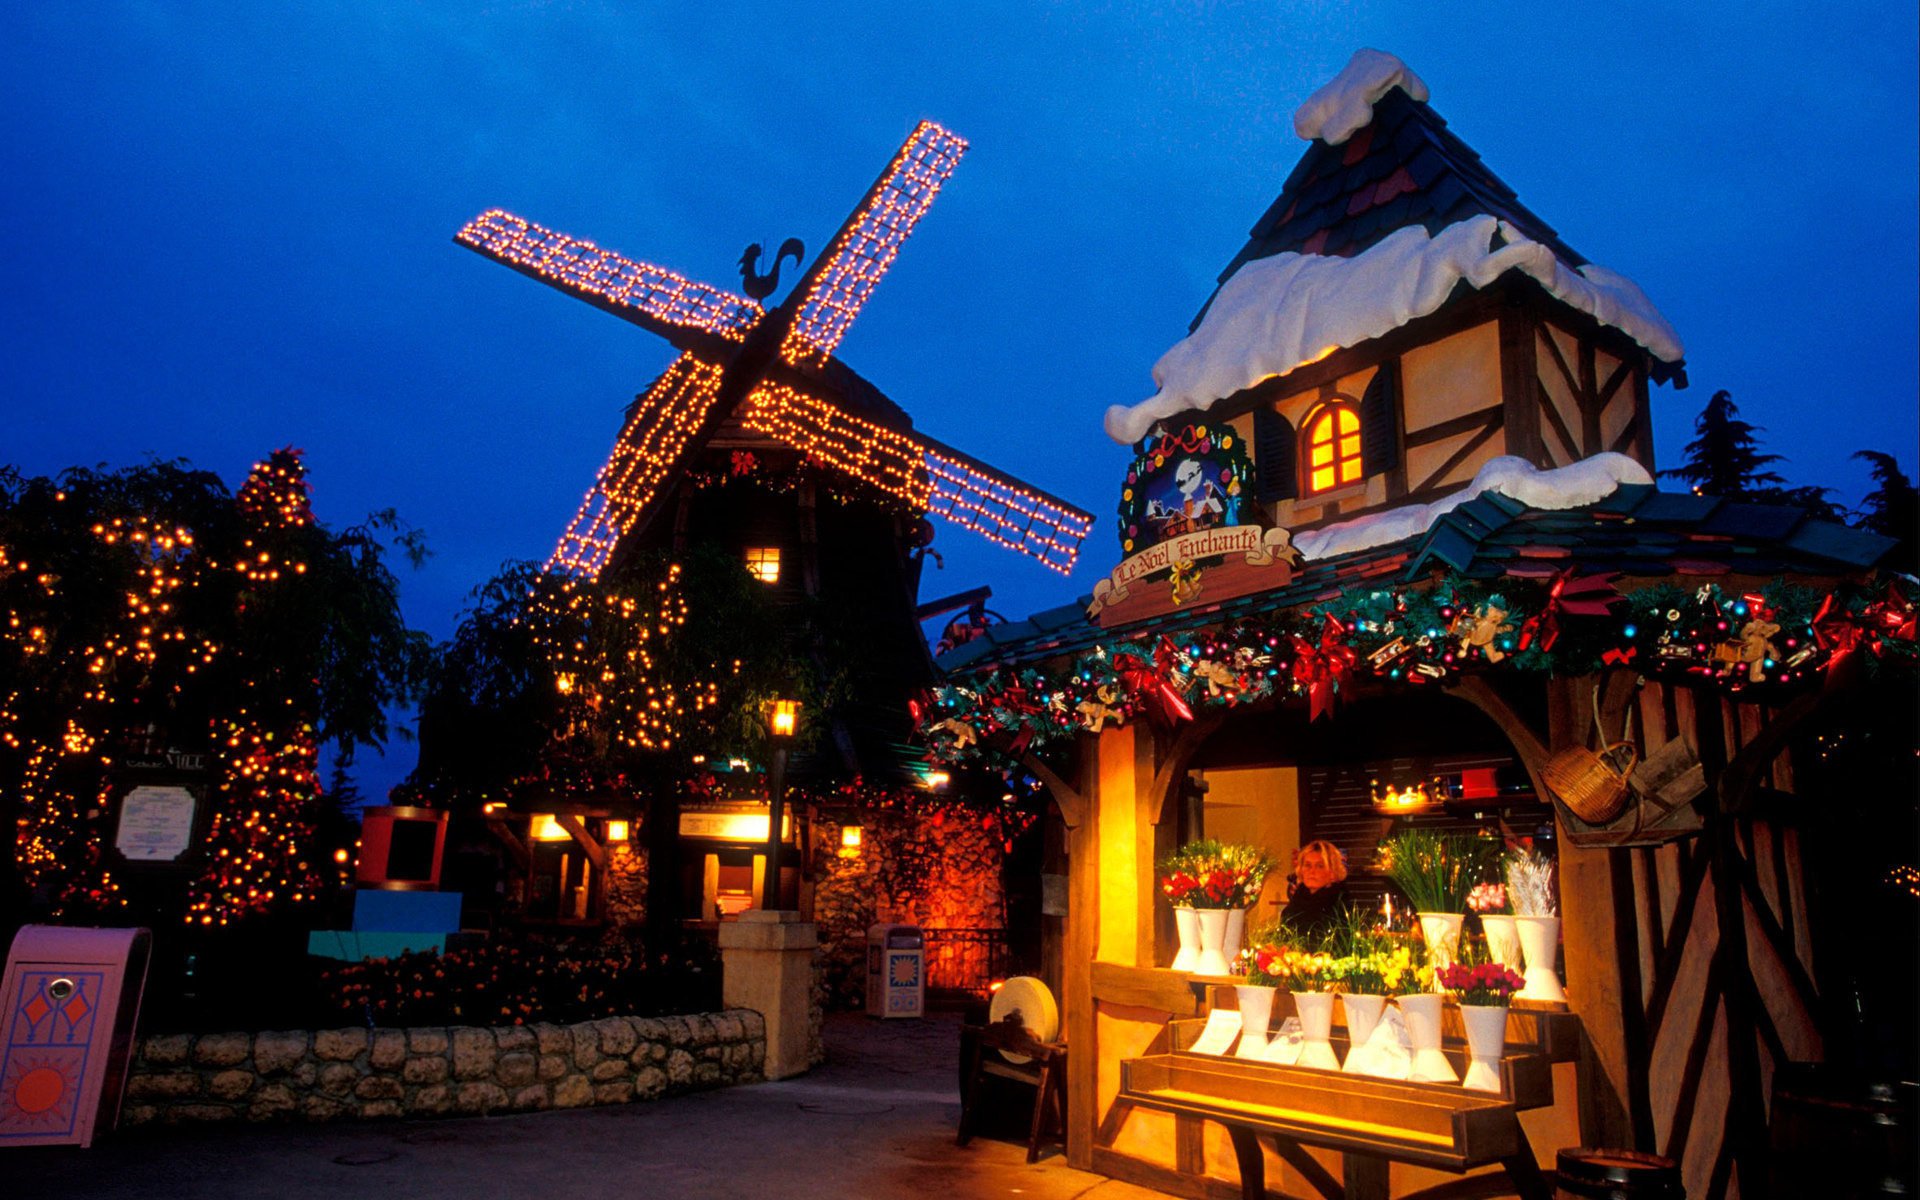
(876, 1121)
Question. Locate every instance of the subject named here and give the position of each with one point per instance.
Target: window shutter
(1274, 448)
(1380, 422)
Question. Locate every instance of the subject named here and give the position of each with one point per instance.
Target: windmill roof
(1636, 531)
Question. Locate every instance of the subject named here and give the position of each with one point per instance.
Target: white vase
(1315, 1010)
(1236, 938)
(1422, 1012)
(1256, 1015)
(1487, 1041)
(1213, 943)
(1503, 940)
(1363, 1013)
(1186, 924)
(1540, 945)
(1442, 932)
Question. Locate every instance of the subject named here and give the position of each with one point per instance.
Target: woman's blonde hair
(1329, 853)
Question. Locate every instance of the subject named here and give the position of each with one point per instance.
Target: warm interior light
(786, 717)
(617, 831)
(545, 828)
(1333, 448)
(763, 563)
(850, 836)
(733, 826)
(1400, 802)
(937, 779)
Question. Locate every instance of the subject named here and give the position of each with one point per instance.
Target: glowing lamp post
(781, 725)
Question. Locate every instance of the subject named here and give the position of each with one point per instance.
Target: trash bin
(68, 1007)
(896, 971)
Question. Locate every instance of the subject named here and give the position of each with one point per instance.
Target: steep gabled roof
(1403, 168)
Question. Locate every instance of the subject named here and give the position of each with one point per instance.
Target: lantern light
(544, 828)
(617, 831)
(785, 719)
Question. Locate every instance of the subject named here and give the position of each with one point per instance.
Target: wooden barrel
(1588, 1174)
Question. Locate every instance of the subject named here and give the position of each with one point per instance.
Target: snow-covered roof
(1575, 485)
(1287, 310)
(1344, 104)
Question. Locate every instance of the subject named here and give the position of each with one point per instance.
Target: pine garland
(1778, 640)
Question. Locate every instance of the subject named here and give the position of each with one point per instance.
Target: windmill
(773, 372)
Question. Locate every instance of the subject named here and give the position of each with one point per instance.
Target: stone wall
(941, 873)
(346, 1073)
(626, 883)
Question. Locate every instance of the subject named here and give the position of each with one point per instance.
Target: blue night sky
(227, 226)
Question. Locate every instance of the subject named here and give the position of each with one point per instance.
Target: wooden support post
(1589, 928)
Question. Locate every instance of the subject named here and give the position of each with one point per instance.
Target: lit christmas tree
(261, 843)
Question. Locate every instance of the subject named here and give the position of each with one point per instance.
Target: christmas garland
(1771, 641)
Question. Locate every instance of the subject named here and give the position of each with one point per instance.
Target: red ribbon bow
(1325, 668)
(1570, 596)
(1153, 684)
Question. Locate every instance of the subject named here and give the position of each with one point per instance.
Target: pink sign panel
(67, 1011)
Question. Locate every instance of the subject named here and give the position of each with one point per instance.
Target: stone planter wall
(937, 874)
(430, 1072)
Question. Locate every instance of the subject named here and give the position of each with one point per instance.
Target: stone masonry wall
(944, 873)
(347, 1073)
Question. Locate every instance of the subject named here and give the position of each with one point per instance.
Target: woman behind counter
(1317, 901)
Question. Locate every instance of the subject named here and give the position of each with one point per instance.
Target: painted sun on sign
(1189, 527)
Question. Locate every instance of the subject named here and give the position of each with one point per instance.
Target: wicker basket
(1593, 785)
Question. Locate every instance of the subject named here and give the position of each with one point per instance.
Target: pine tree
(1725, 458)
(1892, 509)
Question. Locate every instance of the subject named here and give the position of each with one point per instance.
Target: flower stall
(1398, 604)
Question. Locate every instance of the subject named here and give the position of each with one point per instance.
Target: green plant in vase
(1438, 871)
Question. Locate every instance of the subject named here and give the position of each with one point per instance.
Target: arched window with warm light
(1332, 448)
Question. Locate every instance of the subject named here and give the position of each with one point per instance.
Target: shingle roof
(1637, 531)
(1404, 168)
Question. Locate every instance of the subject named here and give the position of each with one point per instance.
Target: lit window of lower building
(763, 563)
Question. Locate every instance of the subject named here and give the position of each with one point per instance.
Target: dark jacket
(1312, 914)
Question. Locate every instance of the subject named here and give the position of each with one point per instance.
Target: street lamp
(781, 724)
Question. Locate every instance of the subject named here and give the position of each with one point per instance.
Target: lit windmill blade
(860, 254)
(658, 427)
(924, 473)
(828, 434)
(651, 297)
(975, 496)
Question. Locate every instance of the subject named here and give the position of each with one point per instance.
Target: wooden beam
(516, 849)
(1068, 799)
(1744, 771)
(1144, 987)
(1083, 939)
(596, 853)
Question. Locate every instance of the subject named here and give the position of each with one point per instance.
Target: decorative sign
(737, 825)
(1182, 515)
(156, 823)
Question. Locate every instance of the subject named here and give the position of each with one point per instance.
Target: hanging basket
(1592, 785)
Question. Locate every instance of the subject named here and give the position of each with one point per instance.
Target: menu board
(156, 824)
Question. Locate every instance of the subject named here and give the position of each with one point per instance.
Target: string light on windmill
(729, 344)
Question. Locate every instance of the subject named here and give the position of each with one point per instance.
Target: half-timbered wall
(1508, 372)
(1590, 400)
(1716, 960)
